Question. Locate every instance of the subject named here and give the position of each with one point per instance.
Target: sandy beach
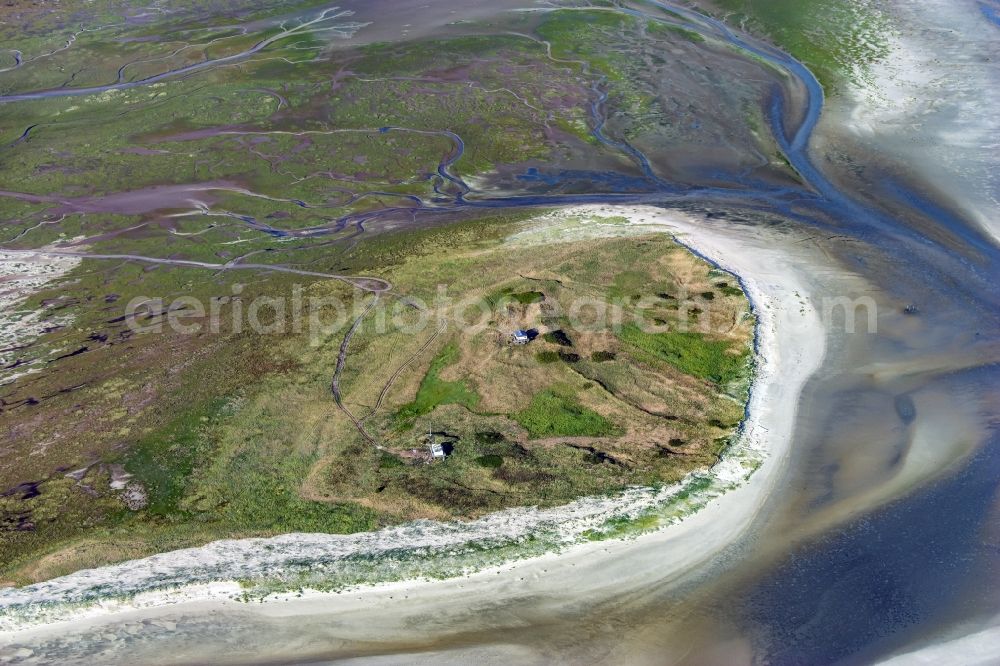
(791, 344)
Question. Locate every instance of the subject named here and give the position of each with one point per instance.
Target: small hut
(438, 449)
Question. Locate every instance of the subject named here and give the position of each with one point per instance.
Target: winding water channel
(880, 534)
(321, 22)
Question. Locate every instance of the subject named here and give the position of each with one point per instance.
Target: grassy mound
(556, 412)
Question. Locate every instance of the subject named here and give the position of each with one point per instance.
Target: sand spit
(790, 345)
(975, 647)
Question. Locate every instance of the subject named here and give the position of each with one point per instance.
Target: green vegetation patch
(435, 391)
(556, 412)
(726, 289)
(547, 356)
(566, 26)
(528, 297)
(837, 39)
(691, 353)
(164, 460)
(660, 29)
(490, 461)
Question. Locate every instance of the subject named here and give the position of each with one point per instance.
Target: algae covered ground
(838, 39)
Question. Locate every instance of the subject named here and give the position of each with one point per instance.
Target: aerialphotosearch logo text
(320, 316)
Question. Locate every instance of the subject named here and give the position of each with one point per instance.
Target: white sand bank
(21, 275)
(978, 647)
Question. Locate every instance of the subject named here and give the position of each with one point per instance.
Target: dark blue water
(866, 588)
